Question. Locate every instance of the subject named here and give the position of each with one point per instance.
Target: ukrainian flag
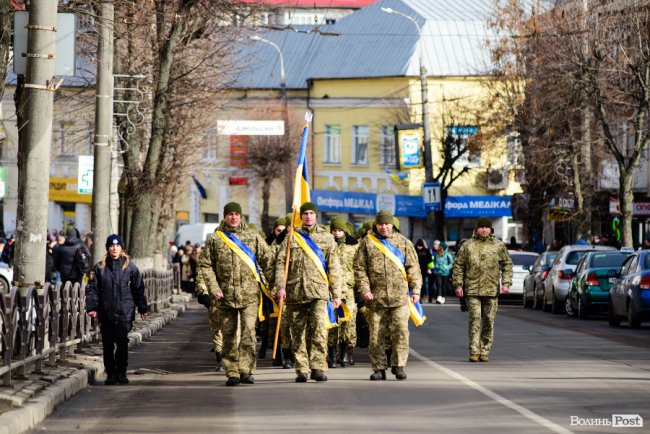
(301, 184)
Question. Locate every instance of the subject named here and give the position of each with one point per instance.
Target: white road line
(495, 396)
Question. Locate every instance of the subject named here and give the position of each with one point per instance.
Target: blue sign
(368, 203)
(432, 197)
(477, 206)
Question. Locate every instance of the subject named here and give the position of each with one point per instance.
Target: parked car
(6, 277)
(534, 281)
(629, 297)
(593, 277)
(521, 263)
(556, 285)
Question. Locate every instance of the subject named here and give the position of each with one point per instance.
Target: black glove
(281, 236)
(205, 300)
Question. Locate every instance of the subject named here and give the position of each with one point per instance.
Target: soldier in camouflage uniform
(385, 290)
(213, 317)
(482, 270)
(234, 287)
(307, 293)
(344, 337)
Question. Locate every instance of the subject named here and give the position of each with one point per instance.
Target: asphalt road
(545, 371)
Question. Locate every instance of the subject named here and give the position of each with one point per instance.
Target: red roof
(314, 3)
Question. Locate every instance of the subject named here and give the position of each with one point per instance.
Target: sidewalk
(29, 401)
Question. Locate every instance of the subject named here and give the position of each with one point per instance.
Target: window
(360, 137)
(332, 144)
(387, 147)
(209, 151)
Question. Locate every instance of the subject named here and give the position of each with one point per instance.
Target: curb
(36, 409)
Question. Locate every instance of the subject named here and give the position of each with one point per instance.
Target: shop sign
(478, 206)
(368, 203)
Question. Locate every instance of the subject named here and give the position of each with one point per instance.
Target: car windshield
(550, 257)
(611, 260)
(574, 257)
(518, 259)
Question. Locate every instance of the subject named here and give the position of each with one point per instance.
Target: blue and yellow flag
(416, 312)
(301, 184)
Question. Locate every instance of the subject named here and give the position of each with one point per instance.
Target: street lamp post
(288, 184)
(428, 164)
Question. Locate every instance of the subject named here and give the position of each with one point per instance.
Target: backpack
(82, 260)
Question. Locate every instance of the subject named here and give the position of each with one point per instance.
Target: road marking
(494, 396)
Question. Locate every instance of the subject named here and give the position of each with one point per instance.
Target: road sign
(432, 198)
(85, 173)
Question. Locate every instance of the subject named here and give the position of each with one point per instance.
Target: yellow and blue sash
(395, 256)
(267, 304)
(311, 249)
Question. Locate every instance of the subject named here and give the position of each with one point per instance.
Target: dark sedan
(593, 277)
(534, 281)
(629, 297)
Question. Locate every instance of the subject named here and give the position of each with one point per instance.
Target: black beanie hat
(308, 206)
(114, 239)
(484, 222)
(231, 207)
(384, 216)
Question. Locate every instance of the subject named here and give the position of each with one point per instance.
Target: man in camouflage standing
(344, 337)
(231, 265)
(386, 268)
(213, 318)
(482, 270)
(314, 276)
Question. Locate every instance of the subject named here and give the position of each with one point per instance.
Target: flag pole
(290, 229)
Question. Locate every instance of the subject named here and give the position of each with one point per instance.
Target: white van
(196, 233)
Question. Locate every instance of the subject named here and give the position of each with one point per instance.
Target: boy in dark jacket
(112, 295)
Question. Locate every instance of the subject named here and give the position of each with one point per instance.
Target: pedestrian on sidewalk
(482, 270)
(387, 273)
(232, 265)
(113, 293)
(425, 259)
(442, 261)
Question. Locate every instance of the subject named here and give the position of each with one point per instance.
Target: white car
(521, 263)
(6, 277)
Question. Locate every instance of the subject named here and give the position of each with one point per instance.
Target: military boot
(351, 355)
(399, 373)
(288, 362)
(278, 358)
(343, 354)
(378, 375)
(219, 359)
(318, 375)
(246, 379)
(331, 357)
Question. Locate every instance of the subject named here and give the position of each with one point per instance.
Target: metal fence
(45, 325)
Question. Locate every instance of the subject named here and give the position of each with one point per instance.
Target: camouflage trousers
(284, 341)
(215, 328)
(388, 324)
(308, 335)
(239, 340)
(346, 332)
(482, 311)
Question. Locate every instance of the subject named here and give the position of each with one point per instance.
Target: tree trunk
(627, 199)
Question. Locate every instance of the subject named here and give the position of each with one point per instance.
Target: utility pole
(103, 132)
(34, 151)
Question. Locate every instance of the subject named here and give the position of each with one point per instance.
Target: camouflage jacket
(374, 272)
(222, 270)
(479, 265)
(346, 254)
(304, 282)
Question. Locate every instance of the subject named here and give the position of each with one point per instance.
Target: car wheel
(583, 312)
(4, 286)
(527, 303)
(537, 302)
(632, 320)
(545, 304)
(568, 308)
(614, 321)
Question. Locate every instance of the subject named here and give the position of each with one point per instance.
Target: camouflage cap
(338, 223)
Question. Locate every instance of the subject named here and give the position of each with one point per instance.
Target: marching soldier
(344, 338)
(231, 265)
(205, 299)
(314, 276)
(481, 263)
(386, 268)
